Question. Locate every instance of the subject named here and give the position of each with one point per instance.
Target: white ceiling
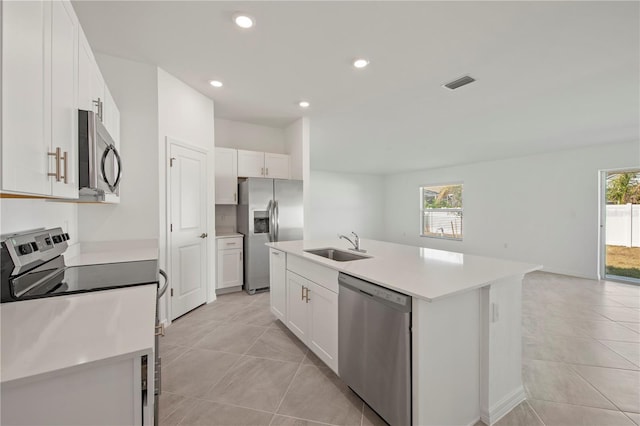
(550, 75)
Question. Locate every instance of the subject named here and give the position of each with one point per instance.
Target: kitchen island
(465, 324)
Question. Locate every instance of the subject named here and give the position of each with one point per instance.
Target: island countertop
(420, 272)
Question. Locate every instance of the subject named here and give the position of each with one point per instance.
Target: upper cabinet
(226, 176)
(261, 164)
(39, 113)
(48, 73)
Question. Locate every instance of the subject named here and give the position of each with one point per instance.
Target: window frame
(423, 210)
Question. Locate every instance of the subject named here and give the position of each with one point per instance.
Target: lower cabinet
(114, 391)
(229, 265)
(312, 315)
(278, 284)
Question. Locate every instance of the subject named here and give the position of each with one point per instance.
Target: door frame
(210, 286)
(602, 223)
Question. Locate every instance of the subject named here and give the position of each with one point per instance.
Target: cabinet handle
(267, 169)
(231, 244)
(307, 294)
(57, 156)
(204, 235)
(262, 171)
(302, 292)
(240, 256)
(65, 162)
(235, 197)
(100, 106)
(160, 329)
(275, 253)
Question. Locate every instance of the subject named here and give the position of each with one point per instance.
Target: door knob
(204, 235)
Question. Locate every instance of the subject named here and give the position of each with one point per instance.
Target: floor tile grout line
(284, 395)
(634, 362)
(627, 415)
(303, 419)
(595, 387)
(578, 405)
(535, 412)
(576, 363)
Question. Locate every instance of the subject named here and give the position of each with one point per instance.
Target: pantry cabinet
(39, 117)
(226, 176)
(263, 164)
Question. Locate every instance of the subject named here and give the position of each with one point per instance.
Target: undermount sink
(337, 255)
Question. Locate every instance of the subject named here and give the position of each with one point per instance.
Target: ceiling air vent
(463, 81)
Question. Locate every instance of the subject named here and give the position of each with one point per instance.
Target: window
(441, 211)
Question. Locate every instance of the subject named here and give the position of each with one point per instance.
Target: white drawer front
(229, 243)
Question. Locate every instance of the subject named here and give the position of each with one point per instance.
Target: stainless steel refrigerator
(268, 210)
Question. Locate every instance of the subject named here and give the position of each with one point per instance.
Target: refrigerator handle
(277, 221)
(271, 221)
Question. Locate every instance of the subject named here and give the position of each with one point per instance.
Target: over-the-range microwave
(99, 162)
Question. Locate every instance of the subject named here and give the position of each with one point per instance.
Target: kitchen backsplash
(225, 218)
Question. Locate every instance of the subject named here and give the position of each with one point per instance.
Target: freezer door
(288, 209)
(254, 221)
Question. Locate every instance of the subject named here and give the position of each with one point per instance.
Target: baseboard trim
(503, 407)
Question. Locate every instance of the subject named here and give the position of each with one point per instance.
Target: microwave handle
(115, 184)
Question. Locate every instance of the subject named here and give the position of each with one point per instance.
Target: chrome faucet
(355, 242)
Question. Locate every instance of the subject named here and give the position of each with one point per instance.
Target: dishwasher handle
(393, 299)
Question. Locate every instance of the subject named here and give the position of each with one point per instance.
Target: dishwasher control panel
(374, 290)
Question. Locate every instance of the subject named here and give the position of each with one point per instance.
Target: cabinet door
(276, 165)
(250, 163)
(86, 68)
(323, 324)
(226, 176)
(229, 268)
(64, 114)
(25, 140)
(297, 306)
(278, 283)
(111, 116)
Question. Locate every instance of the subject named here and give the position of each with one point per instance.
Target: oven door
(100, 163)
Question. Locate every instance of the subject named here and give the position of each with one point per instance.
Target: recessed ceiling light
(360, 63)
(242, 20)
(215, 83)
(304, 104)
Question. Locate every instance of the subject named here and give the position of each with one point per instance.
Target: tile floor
(231, 363)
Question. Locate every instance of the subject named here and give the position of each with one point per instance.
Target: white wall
(342, 203)
(185, 115)
(293, 141)
(17, 215)
(134, 87)
(540, 209)
(252, 137)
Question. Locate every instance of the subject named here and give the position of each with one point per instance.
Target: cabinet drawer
(322, 275)
(229, 243)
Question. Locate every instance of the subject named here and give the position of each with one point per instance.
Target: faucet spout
(355, 242)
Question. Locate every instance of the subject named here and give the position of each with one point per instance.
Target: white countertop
(43, 335)
(417, 271)
(228, 235)
(92, 253)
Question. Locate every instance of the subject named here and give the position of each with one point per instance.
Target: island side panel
(446, 362)
(501, 348)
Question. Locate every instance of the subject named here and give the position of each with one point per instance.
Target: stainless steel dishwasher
(374, 350)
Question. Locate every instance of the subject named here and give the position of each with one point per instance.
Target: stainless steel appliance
(268, 210)
(374, 346)
(99, 162)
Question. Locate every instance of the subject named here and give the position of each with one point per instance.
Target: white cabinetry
(111, 117)
(226, 176)
(107, 392)
(39, 117)
(310, 310)
(261, 164)
(278, 283)
(229, 263)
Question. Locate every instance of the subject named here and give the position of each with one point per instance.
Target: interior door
(188, 229)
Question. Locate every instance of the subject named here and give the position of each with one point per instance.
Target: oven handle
(163, 290)
(113, 187)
